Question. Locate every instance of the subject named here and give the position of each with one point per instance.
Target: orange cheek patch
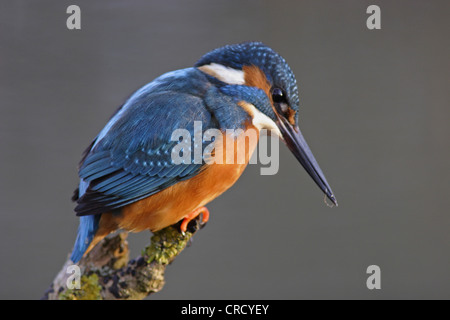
(255, 77)
(291, 116)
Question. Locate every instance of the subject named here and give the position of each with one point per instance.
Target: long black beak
(298, 146)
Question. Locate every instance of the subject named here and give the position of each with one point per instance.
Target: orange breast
(170, 205)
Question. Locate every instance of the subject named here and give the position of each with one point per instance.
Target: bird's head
(254, 65)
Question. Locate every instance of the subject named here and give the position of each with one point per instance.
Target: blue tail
(86, 231)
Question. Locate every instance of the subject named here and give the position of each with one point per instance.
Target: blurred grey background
(374, 108)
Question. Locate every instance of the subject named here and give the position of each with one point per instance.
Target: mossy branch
(107, 273)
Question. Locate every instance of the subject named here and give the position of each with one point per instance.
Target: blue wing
(131, 157)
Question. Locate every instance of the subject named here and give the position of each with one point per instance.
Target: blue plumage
(86, 231)
(131, 159)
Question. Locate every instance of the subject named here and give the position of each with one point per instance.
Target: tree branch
(106, 272)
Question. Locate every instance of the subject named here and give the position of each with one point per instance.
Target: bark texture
(106, 273)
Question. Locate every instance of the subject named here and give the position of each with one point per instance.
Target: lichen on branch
(107, 272)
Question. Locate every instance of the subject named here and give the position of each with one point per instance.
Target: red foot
(194, 214)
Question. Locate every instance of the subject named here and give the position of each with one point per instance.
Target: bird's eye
(280, 101)
(278, 96)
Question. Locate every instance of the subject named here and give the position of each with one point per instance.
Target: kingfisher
(128, 178)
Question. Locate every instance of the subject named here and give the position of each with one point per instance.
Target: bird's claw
(195, 220)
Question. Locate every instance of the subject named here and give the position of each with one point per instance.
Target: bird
(128, 178)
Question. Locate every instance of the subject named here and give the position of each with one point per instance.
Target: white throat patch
(259, 119)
